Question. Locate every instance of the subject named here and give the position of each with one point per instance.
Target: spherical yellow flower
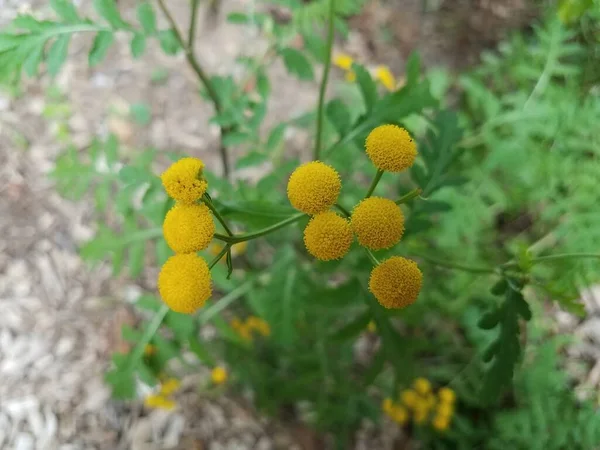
(391, 148)
(447, 395)
(396, 282)
(409, 398)
(328, 236)
(184, 283)
(183, 180)
(343, 61)
(259, 325)
(378, 223)
(399, 415)
(314, 187)
(159, 402)
(188, 228)
(422, 386)
(218, 375)
(445, 409)
(387, 406)
(441, 423)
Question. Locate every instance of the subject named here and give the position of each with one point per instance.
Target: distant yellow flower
(314, 187)
(387, 406)
(441, 423)
(399, 415)
(386, 77)
(371, 327)
(445, 409)
(236, 323)
(350, 76)
(343, 61)
(218, 375)
(396, 282)
(188, 228)
(245, 332)
(169, 386)
(184, 283)
(378, 223)
(391, 148)
(409, 398)
(328, 236)
(149, 350)
(420, 414)
(183, 180)
(259, 325)
(447, 395)
(422, 386)
(159, 402)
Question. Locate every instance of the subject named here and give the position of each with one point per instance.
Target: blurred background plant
(500, 216)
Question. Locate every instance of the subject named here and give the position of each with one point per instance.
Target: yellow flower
(445, 409)
(159, 402)
(386, 77)
(314, 187)
(391, 148)
(343, 61)
(188, 228)
(149, 350)
(396, 282)
(387, 406)
(218, 375)
(245, 332)
(399, 415)
(236, 323)
(259, 325)
(183, 180)
(422, 386)
(371, 327)
(328, 236)
(184, 283)
(447, 395)
(409, 398)
(378, 223)
(169, 386)
(420, 414)
(350, 76)
(441, 423)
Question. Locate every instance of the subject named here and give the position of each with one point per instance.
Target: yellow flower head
(441, 423)
(184, 283)
(447, 395)
(386, 77)
(188, 228)
(169, 386)
(314, 187)
(236, 323)
(245, 332)
(387, 406)
(328, 236)
(343, 61)
(183, 180)
(391, 148)
(371, 327)
(422, 386)
(378, 223)
(409, 398)
(159, 402)
(259, 325)
(445, 409)
(396, 282)
(149, 350)
(420, 415)
(350, 76)
(218, 375)
(399, 415)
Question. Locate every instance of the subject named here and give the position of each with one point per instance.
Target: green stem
(453, 265)
(409, 196)
(217, 258)
(323, 88)
(249, 236)
(343, 210)
(220, 218)
(555, 258)
(192, 29)
(150, 331)
(372, 257)
(215, 308)
(374, 183)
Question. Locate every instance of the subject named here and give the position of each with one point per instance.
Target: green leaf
(235, 138)
(251, 159)
(275, 138)
(238, 18)
(489, 320)
(146, 374)
(148, 302)
(201, 351)
(32, 62)
(122, 383)
(315, 45)
(367, 86)
(413, 69)
(130, 334)
(297, 64)
(183, 325)
(137, 251)
(138, 45)
(141, 113)
(263, 85)
(109, 12)
(352, 329)
(168, 42)
(66, 10)
(133, 174)
(102, 42)
(58, 54)
(147, 18)
(337, 112)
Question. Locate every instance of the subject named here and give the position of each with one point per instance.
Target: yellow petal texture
(422, 386)
(447, 395)
(183, 180)
(184, 283)
(378, 223)
(188, 228)
(396, 282)
(314, 187)
(391, 148)
(328, 236)
(219, 375)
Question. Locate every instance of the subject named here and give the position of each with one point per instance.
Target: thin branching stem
(409, 196)
(343, 210)
(374, 183)
(218, 215)
(256, 234)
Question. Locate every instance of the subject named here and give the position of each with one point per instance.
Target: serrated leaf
(297, 64)
(108, 11)
(28, 22)
(138, 45)
(489, 320)
(168, 42)
(146, 374)
(367, 86)
(122, 384)
(500, 287)
(146, 17)
(66, 10)
(133, 174)
(100, 46)
(58, 54)
(32, 62)
(275, 138)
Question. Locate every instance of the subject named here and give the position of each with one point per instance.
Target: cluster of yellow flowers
(383, 74)
(377, 222)
(423, 405)
(184, 281)
(219, 375)
(162, 399)
(247, 328)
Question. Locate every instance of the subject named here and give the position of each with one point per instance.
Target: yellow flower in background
(409, 398)
(422, 386)
(350, 76)
(236, 323)
(444, 409)
(314, 187)
(385, 77)
(447, 395)
(391, 148)
(328, 236)
(420, 414)
(343, 61)
(387, 406)
(169, 386)
(149, 350)
(259, 325)
(441, 423)
(399, 414)
(378, 223)
(184, 283)
(183, 180)
(188, 228)
(396, 282)
(218, 375)
(371, 327)
(159, 402)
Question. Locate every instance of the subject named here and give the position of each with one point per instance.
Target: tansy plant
(351, 256)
